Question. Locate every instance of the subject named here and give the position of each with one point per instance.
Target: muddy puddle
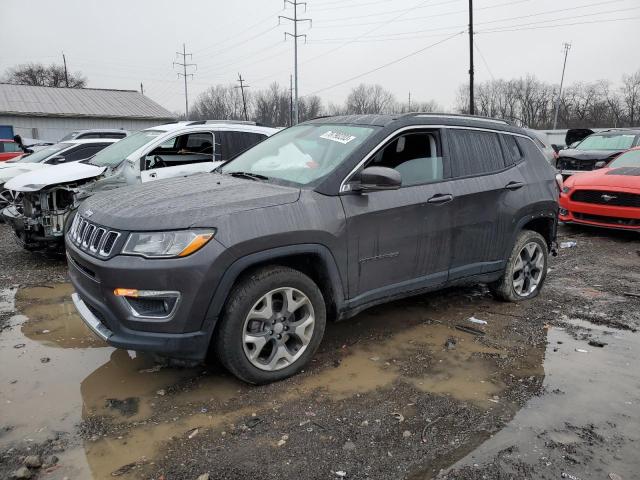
(123, 412)
(591, 404)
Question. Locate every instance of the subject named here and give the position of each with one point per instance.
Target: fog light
(564, 212)
(149, 303)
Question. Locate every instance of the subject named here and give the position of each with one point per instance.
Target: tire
(274, 330)
(521, 267)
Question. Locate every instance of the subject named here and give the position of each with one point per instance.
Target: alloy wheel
(8, 197)
(528, 269)
(278, 329)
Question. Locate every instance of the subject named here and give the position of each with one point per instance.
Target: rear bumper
(598, 215)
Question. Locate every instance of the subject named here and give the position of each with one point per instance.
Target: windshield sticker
(337, 137)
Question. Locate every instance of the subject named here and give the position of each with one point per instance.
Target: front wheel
(526, 269)
(272, 325)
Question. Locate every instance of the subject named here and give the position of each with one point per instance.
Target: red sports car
(608, 197)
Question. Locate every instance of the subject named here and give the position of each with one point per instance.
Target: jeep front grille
(92, 238)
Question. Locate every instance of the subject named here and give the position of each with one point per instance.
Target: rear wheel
(526, 269)
(272, 325)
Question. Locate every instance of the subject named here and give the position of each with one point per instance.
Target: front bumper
(598, 215)
(184, 334)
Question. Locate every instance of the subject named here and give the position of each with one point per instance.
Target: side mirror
(555, 147)
(56, 160)
(379, 178)
(600, 164)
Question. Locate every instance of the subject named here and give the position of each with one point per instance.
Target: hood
(177, 203)
(623, 177)
(589, 155)
(53, 175)
(18, 169)
(576, 134)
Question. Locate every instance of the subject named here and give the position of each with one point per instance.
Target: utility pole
(66, 75)
(472, 108)
(290, 100)
(295, 20)
(184, 74)
(141, 88)
(242, 86)
(409, 101)
(566, 47)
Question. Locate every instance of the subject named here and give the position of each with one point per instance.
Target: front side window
(628, 159)
(474, 152)
(302, 154)
(609, 141)
(416, 156)
(196, 147)
(119, 151)
(83, 152)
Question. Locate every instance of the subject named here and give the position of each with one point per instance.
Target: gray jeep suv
(318, 222)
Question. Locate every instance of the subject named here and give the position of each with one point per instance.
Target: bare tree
(365, 99)
(310, 107)
(631, 97)
(273, 106)
(418, 106)
(38, 74)
(222, 102)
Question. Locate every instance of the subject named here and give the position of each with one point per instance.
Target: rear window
(512, 153)
(474, 152)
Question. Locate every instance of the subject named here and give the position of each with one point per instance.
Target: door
(399, 240)
(179, 156)
(480, 180)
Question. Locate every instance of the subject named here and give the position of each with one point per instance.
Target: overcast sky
(118, 43)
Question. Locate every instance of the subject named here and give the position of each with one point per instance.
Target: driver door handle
(153, 175)
(514, 185)
(440, 198)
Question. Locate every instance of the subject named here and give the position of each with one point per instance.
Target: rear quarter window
(474, 152)
(511, 150)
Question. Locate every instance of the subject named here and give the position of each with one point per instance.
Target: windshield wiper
(250, 176)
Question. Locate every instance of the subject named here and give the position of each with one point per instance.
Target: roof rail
(460, 116)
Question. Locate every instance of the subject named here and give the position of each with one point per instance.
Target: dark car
(318, 222)
(593, 148)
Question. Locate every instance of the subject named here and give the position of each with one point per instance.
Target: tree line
(525, 101)
(530, 102)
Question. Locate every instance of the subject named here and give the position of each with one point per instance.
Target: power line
(184, 74)
(393, 62)
(242, 86)
(484, 60)
(295, 20)
(526, 27)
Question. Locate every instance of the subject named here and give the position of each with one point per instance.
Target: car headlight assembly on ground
(179, 243)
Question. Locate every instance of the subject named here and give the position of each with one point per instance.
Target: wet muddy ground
(397, 392)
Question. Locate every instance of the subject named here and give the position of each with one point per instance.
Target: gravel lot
(397, 392)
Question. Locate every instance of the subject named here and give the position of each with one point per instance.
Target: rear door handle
(440, 198)
(514, 185)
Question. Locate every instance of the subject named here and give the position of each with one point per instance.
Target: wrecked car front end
(38, 218)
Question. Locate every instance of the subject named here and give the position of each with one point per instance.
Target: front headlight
(178, 243)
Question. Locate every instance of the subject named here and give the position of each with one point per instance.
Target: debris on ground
(341, 473)
(398, 416)
(614, 476)
(204, 476)
(20, 345)
(33, 461)
(45, 360)
(22, 473)
(349, 446)
(632, 294)
(473, 319)
(471, 330)
(253, 422)
(193, 433)
(569, 476)
(568, 244)
(581, 350)
(451, 343)
(597, 343)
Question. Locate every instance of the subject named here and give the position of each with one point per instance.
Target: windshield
(45, 153)
(301, 154)
(114, 154)
(628, 159)
(610, 141)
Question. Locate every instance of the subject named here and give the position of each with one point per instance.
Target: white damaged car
(47, 196)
